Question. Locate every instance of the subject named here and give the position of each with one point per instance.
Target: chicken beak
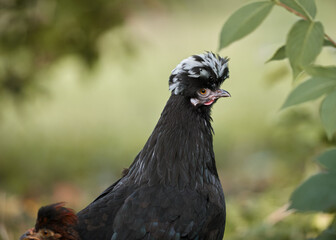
(213, 96)
(29, 236)
(221, 93)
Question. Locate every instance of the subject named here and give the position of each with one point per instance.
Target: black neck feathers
(179, 152)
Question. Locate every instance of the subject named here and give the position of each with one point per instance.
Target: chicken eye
(203, 91)
(45, 232)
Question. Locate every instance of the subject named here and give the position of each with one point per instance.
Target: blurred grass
(73, 141)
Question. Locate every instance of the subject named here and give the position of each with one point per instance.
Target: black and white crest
(208, 69)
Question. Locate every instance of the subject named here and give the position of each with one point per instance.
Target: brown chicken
(54, 222)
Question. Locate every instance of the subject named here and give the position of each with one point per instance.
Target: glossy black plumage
(171, 190)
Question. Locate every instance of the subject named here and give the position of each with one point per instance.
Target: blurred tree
(36, 33)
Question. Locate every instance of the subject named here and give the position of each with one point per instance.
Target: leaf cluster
(304, 43)
(318, 192)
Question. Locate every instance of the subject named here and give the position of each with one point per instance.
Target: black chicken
(171, 190)
(54, 222)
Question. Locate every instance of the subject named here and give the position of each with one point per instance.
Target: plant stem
(292, 10)
(303, 17)
(330, 39)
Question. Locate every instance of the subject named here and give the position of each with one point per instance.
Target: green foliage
(320, 71)
(244, 21)
(279, 54)
(328, 43)
(328, 160)
(35, 34)
(304, 43)
(305, 7)
(328, 114)
(315, 194)
(300, 40)
(309, 90)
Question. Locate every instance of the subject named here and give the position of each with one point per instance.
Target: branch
(303, 17)
(291, 10)
(330, 39)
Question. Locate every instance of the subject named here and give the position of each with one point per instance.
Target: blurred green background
(83, 84)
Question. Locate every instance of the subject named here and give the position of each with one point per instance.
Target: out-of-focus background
(82, 85)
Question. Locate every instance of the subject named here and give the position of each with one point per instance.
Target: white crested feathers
(195, 67)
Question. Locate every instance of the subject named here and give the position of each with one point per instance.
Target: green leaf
(328, 114)
(304, 43)
(309, 90)
(321, 71)
(244, 21)
(328, 43)
(316, 194)
(279, 54)
(328, 234)
(306, 7)
(328, 160)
